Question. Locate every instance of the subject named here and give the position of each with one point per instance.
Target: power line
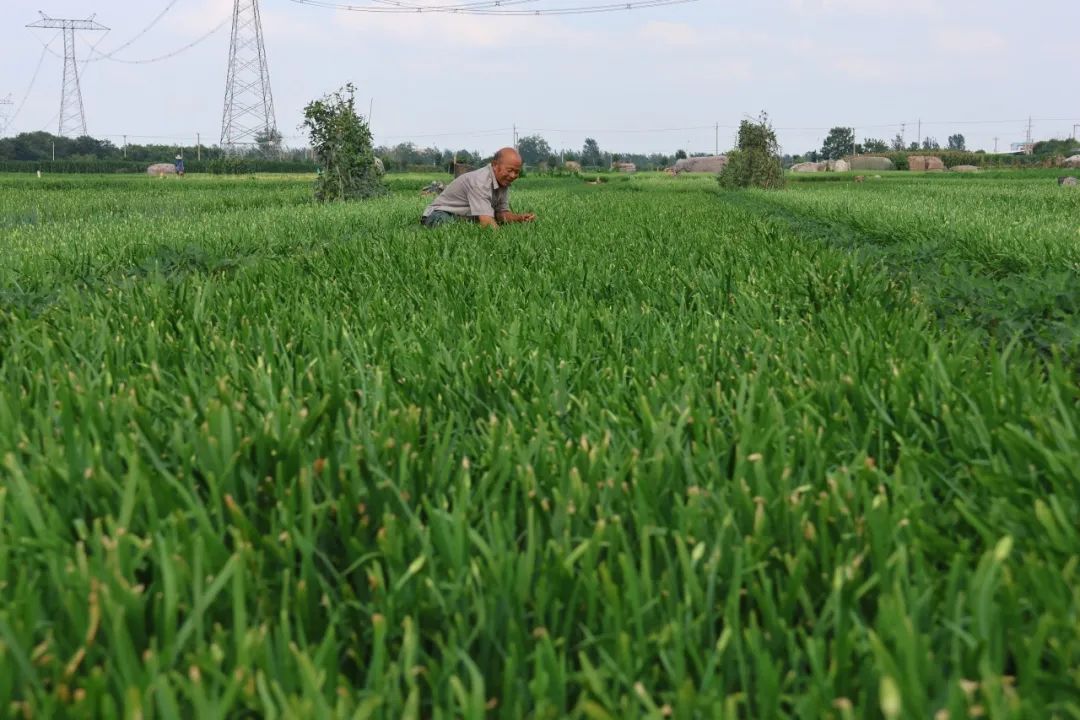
(216, 29)
(489, 7)
(30, 87)
(129, 43)
(464, 133)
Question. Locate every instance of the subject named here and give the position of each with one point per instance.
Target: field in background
(668, 452)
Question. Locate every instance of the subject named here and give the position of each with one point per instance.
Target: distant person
(180, 165)
(481, 195)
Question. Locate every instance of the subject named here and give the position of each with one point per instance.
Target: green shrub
(756, 162)
(341, 140)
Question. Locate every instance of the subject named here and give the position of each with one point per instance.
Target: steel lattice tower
(249, 104)
(72, 112)
(3, 113)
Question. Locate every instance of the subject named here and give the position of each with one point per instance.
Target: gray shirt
(477, 192)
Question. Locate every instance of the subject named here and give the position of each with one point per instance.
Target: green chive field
(669, 452)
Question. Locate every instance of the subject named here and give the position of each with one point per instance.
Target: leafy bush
(341, 140)
(756, 162)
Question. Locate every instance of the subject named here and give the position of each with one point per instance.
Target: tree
(874, 145)
(840, 142)
(956, 142)
(914, 146)
(756, 162)
(269, 142)
(930, 144)
(680, 154)
(341, 140)
(533, 149)
(590, 153)
(898, 142)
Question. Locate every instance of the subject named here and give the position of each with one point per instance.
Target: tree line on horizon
(536, 151)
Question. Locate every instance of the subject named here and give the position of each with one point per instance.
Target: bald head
(506, 154)
(506, 165)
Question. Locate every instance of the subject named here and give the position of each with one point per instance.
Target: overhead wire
(145, 61)
(138, 35)
(30, 87)
(489, 7)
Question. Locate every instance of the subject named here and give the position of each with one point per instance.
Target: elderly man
(481, 195)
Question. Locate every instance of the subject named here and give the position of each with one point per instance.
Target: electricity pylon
(72, 113)
(3, 112)
(248, 119)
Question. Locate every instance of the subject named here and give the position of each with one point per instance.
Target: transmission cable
(174, 53)
(129, 43)
(30, 87)
(489, 7)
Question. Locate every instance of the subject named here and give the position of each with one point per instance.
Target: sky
(647, 80)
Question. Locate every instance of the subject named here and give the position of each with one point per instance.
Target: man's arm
(509, 217)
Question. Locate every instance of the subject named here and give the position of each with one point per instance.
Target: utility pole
(198, 147)
(995, 144)
(125, 147)
(919, 141)
(903, 131)
(1077, 125)
(515, 136)
(72, 113)
(1028, 140)
(717, 139)
(54, 151)
(249, 105)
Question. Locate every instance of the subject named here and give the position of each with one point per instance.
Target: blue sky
(648, 80)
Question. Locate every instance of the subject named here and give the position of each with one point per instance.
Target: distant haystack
(624, 167)
(1067, 181)
(706, 164)
(572, 166)
(1072, 162)
(838, 166)
(925, 163)
(161, 169)
(872, 162)
(808, 167)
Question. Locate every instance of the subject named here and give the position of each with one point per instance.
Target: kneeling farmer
(482, 195)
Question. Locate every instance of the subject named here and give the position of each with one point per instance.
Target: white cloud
(969, 40)
(859, 67)
(439, 32)
(878, 8)
(670, 34)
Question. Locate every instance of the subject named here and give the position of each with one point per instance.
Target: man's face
(507, 170)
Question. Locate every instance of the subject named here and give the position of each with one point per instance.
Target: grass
(667, 453)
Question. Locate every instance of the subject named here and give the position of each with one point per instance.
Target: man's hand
(509, 217)
(488, 221)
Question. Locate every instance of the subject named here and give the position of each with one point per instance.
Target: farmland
(670, 452)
